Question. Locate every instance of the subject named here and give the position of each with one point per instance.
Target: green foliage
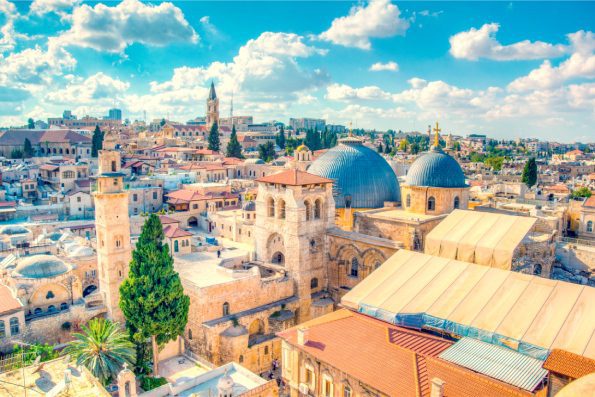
(152, 297)
(31, 352)
(266, 152)
(328, 139)
(456, 146)
(31, 124)
(387, 149)
(16, 154)
(234, 149)
(529, 176)
(495, 162)
(27, 148)
(96, 141)
(149, 383)
(582, 192)
(234, 321)
(313, 140)
(414, 148)
(280, 138)
(162, 123)
(103, 348)
(380, 149)
(214, 143)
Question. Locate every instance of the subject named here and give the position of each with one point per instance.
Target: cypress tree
(27, 148)
(529, 176)
(96, 141)
(31, 124)
(234, 149)
(214, 143)
(280, 140)
(152, 297)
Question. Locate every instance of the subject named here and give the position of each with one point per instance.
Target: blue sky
(506, 69)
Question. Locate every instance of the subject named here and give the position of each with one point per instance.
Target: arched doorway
(192, 221)
(278, 258)
(89, 290)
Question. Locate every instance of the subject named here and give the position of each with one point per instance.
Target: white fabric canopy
(527, 313)
(479, 237)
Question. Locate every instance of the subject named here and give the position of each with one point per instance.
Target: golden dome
(302, 148)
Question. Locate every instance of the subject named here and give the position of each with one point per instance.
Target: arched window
(346, 391)
(266, 350)
(49, 295)
(271, 207)
(63, 306)
(537, 270)
(241, 359)
(408, 201)
(353, 272)
(176, 246)
(113, 166)
(456, 204)
(431, 204)
(2, 329)
(590, 227)
(377, 265)
(314, 283)
(308, 206)
(37, 310)
(226, 309)
(282, 209)
(14, 326)
(317, 208)
(51, 308)
(189, 334)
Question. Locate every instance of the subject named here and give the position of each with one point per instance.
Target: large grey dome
(359, 173)
(40, 266)
(436, 169)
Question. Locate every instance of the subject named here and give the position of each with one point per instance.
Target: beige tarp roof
(528, 309)
(479, 237)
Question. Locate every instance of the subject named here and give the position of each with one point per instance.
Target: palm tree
(103, 348)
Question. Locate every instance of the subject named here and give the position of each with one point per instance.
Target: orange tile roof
(590, 202)
(391, 359)
(8, 303)
(186, 195)
(173, 231)
(167, 220)
(294, 178)
(569, 364)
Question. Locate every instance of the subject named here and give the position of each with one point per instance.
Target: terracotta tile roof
(173, 231)
(232, 161)
(8, 204)
(377, 353)
(294, 178)
(186, 195)
(49, 167)
(590, 202)
(206, 152)
(37, 137)
(569, 364)
(8, 303)
(167, 220)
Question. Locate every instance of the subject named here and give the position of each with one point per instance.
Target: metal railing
(577, 241)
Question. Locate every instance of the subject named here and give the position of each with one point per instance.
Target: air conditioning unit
(304, 388)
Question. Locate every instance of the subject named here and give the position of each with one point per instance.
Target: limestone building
(112, 225)
(212, 107)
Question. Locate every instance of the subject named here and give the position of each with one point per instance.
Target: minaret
(212, 107)
(112, 225)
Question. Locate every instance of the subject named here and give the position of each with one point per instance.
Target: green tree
(214, 143)
(31, 124)
(96, 141)
(266, 152)
(529, 176)
(456, 146)
(234, 149)
(387, 149)
(16, 154)
(414, 148)
(581, 192)
(280, 138)
(380, 149)
(152, 297)
(103, 348)
(495, 162)
(27, 148)
(162, 122)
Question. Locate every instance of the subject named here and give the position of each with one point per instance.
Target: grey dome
(436, 169)
(249, 206)
(40, 266)
(15, 229)
(359, 172)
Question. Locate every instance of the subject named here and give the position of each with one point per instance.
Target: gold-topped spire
(437, 136)
(350, 129)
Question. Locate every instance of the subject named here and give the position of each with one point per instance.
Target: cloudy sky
(506, 69)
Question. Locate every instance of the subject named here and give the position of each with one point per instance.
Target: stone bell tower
(113, 231)
(293, 211)
(212, 107)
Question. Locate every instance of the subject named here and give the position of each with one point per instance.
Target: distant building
(114, 114)
(241, 122)
(306, 123)
(86, 121)
(212, 107)
(336, 128)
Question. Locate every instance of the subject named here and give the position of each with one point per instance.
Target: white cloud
(379, 19)
(90, 90)
(343, 92)
(112, 29)
(388, 66)
(60, 7)
(481, 43)
(8, 35)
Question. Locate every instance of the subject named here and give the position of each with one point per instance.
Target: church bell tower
(112, 225)
(212, 107)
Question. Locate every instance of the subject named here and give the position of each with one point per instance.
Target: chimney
(301, 336)
(437, 387)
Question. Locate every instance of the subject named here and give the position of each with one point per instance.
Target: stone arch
(278, 258)
(347, 251)
(318, 205)
(255, 330)
(372, 255)
(275, 245)
(456, 202)
(270, 207)
(59, 293)
(89, 289)
(193, 221)
(308, 206)
(431, 204)
(281, 208)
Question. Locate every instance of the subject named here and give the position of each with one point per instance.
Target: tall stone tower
(113, 231)
(212, 107)
(293, 211)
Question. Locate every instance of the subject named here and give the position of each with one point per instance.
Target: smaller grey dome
(40, 266)
(249, 206)
(436, 169)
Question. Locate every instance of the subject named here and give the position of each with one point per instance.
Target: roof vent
(301, 336)
(437, 389)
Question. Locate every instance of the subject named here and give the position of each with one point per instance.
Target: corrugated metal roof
(496, 362)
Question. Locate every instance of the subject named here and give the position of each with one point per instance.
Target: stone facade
(112, 224)
(434, 200)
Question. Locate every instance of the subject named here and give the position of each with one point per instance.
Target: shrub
(149, 383)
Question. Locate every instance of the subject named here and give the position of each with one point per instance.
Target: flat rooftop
(203, 270)
(206, 384)
(399, 214)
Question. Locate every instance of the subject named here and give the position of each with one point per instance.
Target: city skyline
(504, 69)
